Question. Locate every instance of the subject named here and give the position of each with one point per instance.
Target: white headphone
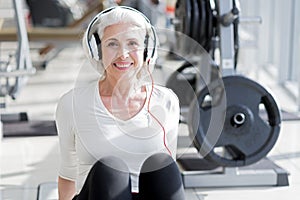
(93, 43)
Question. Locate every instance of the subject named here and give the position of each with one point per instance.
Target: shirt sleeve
(66, 135)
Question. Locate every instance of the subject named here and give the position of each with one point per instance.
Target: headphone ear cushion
(95, 47)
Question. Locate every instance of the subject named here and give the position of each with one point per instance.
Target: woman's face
(122, 49)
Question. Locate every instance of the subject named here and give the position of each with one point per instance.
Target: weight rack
(262, 173)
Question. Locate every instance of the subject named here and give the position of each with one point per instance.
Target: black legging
(109, 179)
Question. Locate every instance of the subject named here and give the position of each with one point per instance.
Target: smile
(123, 66)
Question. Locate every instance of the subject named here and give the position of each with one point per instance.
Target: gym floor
(27, 162)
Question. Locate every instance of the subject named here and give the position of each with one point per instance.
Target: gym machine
(233, 122)
(15, 70)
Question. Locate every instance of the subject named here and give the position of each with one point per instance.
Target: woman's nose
(124, 53)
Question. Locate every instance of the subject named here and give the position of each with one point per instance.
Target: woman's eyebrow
(129, 39)
(110, 39)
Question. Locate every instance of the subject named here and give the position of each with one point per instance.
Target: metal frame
(24, 66)
(226, 40)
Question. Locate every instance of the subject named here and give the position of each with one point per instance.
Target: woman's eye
(133, 44)
(113, 44)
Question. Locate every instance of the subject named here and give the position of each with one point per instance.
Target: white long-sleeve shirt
(88, 131)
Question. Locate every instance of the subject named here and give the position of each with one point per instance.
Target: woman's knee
(160, 178)
(111, 168)
(108, 179)
(156, 162)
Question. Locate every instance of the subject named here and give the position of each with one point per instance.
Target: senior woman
(118, 134)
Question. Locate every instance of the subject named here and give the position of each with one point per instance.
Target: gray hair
(118, 16)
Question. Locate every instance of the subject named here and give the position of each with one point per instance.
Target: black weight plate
(195, 28)
(183, 83)
(183, 13)
(202, 23)
(210, 10)
(237, 144)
